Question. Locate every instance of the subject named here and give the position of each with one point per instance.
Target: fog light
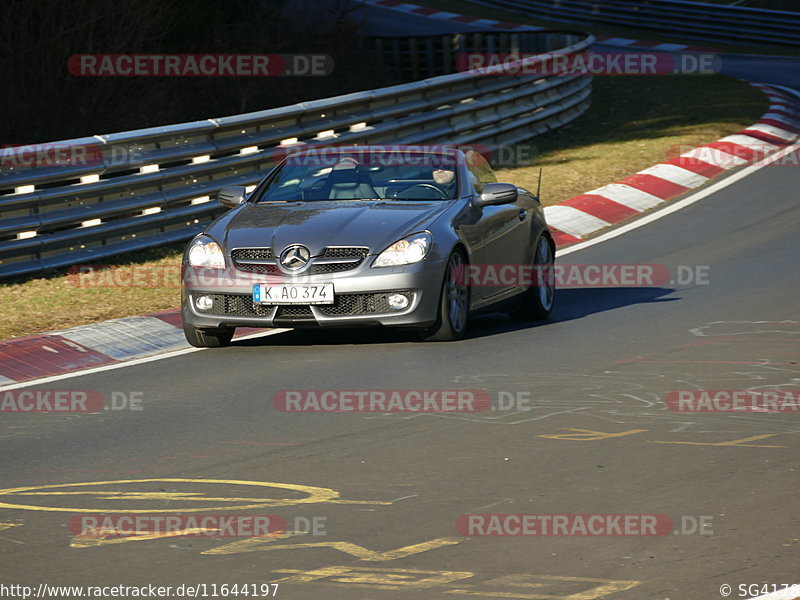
(204, 303)
(397, 301)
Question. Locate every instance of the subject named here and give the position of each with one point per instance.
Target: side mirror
(232, 196)
(498, 193)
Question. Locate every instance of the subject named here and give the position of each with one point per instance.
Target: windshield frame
(448, 154)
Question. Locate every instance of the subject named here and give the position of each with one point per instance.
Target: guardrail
(692, 20)
(427, 56)
(154, 186)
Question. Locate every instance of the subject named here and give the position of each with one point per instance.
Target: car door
(504, 233)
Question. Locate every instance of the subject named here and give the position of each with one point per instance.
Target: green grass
(633, 123)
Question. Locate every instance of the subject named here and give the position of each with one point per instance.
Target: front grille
(251, 253)
(238, 305)
(240, 256)
(336, 252)
(332, 268)
(259, 269)
(264, 262)
(359, 304)
(355, 256)
(293, 312)
(344, 305)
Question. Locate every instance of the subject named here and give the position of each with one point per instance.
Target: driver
(445, 178)
(346, 162)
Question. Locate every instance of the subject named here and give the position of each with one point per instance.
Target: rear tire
(537, 301)
(453, 303)
(218, 337)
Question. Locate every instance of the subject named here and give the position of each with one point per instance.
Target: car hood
(320, 224)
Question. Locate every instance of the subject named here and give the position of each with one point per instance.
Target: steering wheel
(309, 193)
(429, 186)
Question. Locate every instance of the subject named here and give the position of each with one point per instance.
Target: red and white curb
(95, 345)
(581, 216)
(89, 346)
(480, 22)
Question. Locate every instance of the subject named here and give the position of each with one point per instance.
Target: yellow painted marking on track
(166, 496)
(95, 540)
(399, 579)
(315, 495)
(741, 443)
(250, 544)
(262, 545)
(4, 526)
(373, 577)
(528, 582)
(589, 435)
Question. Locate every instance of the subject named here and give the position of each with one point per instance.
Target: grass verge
(632, 124)
(57, 301)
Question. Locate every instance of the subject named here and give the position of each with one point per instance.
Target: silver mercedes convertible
(398, 236)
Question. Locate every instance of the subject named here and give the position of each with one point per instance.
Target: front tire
(537, 301)
(453, 303)
(208, 338)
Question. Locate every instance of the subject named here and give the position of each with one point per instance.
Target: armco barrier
(427, 56)
(158, 185)
(692, 20)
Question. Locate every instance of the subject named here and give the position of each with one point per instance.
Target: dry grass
(633, 124)
(60, 301)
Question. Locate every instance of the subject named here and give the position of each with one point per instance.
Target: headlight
(205, 252)
(405, 252)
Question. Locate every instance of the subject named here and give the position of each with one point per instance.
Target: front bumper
(360, 298)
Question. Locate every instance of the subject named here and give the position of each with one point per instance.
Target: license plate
(295, 293)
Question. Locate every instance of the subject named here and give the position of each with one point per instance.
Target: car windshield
(363, 176)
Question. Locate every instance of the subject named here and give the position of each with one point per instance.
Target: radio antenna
(539, 185)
